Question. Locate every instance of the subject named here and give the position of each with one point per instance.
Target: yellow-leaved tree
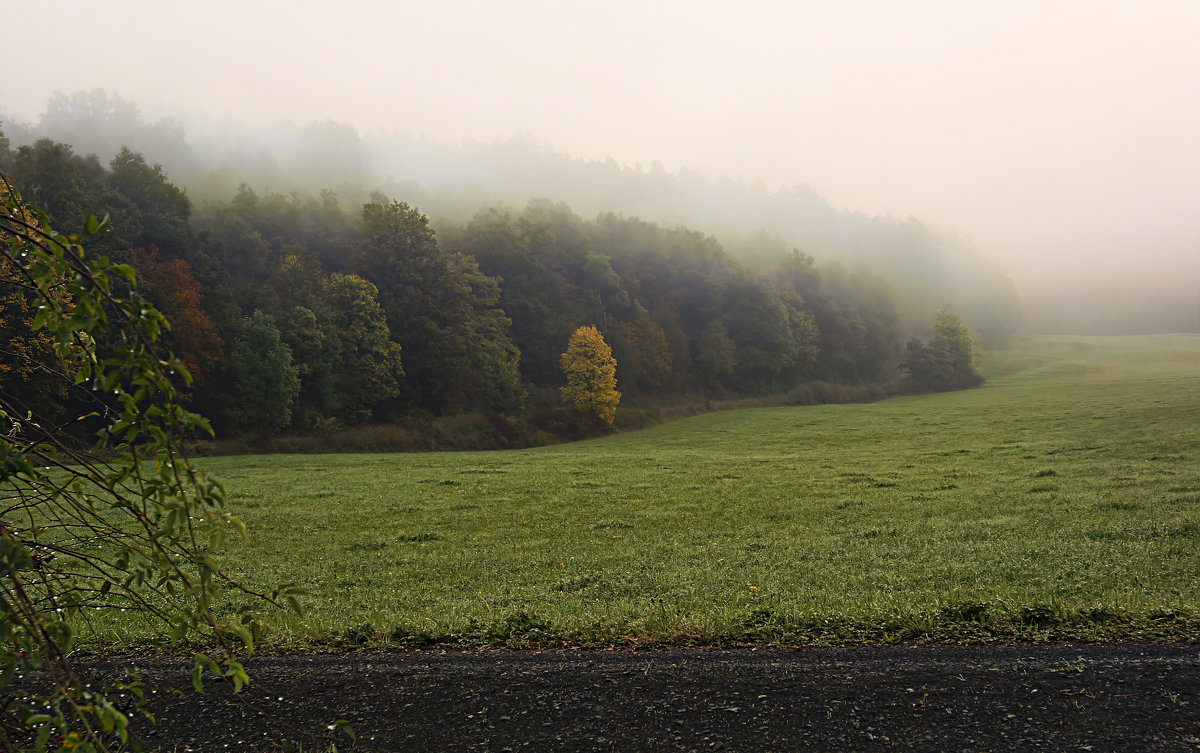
(591, 373)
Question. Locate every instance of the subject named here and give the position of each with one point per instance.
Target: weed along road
(1047, 697)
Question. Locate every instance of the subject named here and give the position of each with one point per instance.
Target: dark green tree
(267, 384)
(715, 353)
(525, 254)
(945, 361)
(758, 323)
(163, 210)
(643, 354)
(366, 363)
(443, 311)
(68, 188)
(298, 291)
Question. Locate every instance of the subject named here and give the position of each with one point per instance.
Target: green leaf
(202, 661)
(343, 726)
(244, 635)
(237, 674)
(43, 736)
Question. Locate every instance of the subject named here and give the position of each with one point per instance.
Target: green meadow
(1060, 501)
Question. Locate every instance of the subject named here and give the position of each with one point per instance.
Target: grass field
(1060, 501)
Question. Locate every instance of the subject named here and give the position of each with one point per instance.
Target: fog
(1061, 137)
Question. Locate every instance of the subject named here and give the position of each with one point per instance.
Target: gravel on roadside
(1061, 697)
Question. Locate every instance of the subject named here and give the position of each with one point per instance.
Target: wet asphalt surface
(931, 698)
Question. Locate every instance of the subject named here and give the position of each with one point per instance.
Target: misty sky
(1062, 136)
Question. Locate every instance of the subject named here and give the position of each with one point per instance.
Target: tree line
(293, 313)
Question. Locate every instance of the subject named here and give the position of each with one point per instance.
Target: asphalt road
(933, 698)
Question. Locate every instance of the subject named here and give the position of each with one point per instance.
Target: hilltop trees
(591, 371)
(923, 267)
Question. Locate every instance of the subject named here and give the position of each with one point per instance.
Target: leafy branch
(121, 522)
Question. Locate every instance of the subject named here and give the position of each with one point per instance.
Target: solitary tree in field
(591, 374)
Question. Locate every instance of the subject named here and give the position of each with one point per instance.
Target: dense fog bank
(926, 269)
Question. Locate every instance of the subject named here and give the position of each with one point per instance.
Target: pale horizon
(1062, 138)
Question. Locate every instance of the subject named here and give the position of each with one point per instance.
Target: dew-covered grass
(1061, 500)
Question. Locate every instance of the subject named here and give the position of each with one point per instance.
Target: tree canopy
(591, 374)
(945, 361)
(388, 319)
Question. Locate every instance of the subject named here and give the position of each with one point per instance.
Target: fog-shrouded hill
(926, 269)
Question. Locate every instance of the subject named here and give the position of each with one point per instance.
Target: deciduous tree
(646, 355)
(367, 366)
(591, 371)
(715, 353)
(952, 337)
(943, 363)
(267, 384)
(176, 292)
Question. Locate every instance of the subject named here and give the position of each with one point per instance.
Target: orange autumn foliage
(176, 292)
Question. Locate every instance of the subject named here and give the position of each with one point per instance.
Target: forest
(320, 308)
